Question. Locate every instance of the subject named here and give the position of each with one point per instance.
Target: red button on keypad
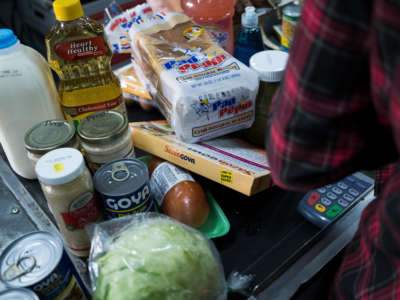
(313, 198)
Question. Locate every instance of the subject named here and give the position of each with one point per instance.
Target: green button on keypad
(334, 211)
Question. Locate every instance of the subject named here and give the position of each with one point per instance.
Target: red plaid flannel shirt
(337, 112)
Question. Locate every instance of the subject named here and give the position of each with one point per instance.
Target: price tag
(58, 167)
(226, 176)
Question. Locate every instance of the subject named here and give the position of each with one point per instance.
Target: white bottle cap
(250, 16)
(270, 65)
(60, 166)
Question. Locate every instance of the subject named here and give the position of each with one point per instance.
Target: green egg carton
(217, 223)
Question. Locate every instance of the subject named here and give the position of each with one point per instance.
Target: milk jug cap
(7, 38)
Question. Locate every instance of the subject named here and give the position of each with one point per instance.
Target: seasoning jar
(68, 188)
(270, 66)
(290, 18)
(49, 135)
(105, 136)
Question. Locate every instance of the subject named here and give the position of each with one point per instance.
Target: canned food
(49, 135)
(290, 17)
(105, 136)
(38, 261)
(18, 294)
(123, 186)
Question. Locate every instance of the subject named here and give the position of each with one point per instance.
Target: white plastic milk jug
(28, 96)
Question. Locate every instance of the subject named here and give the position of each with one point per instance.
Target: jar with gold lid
(47, 136)
(105, 136)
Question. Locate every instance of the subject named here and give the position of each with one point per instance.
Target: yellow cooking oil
(78, 51)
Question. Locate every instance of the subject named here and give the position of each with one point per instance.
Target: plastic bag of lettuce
(150, 256)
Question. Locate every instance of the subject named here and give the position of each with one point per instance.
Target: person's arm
(323, 124)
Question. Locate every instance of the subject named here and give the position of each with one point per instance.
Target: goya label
(81, 49)
(137, 202)
(60, 284)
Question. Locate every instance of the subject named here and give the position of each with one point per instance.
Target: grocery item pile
(153, 219)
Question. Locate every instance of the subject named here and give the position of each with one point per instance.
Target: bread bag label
(164, 177)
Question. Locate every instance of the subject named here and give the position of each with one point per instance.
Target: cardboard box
(229, 161)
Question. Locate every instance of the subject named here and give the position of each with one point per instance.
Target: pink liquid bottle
(215, 16)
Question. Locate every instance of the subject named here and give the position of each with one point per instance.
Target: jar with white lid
(105, 136)
(68, 188)
(47, 136)
(270, 66)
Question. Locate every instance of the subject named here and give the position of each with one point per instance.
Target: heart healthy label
(81, 49)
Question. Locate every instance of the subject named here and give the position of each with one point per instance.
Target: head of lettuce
(154, 257)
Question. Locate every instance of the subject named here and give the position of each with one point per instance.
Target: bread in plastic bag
(201, 89)
(150, 256)
(133, 90)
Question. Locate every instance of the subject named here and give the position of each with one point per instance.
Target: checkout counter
(268, 238)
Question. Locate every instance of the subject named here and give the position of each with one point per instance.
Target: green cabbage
(160, 260)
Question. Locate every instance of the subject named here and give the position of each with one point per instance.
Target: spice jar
(105, 136)
(49, 135)
(270, 66)
(290, 18)
(68, 188)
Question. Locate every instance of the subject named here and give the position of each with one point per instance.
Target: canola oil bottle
(77, 50)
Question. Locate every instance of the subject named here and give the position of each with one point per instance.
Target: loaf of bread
(201, 89)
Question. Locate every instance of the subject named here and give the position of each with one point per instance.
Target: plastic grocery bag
(118, 23)
(133, 90)
(201, 89)
(150, 256)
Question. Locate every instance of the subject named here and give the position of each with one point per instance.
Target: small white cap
(270, 65)
(60, 166)
(250, 16)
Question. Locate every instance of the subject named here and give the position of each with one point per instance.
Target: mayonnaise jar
(68, 188)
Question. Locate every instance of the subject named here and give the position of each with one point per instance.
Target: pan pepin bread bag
(201, 89)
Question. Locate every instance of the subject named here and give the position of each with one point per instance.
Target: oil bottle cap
(67, 10)
(7, 38)
(270, 65)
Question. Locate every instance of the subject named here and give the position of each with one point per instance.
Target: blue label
(137, 202)
(60, 282)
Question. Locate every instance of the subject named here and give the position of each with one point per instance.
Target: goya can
(18, 294)
(123, 186)
(290, 17)
(37, 261)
